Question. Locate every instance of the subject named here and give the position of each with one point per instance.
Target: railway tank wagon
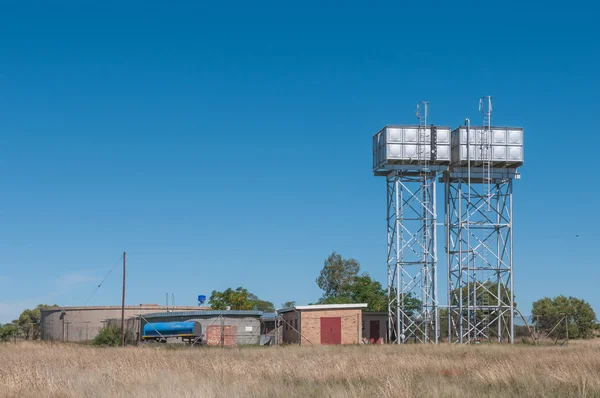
(161, 331)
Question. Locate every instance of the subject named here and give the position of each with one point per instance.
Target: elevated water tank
(411, 145)
(502, 146)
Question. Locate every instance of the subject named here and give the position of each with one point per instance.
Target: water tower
(479, 233)
(410, 158)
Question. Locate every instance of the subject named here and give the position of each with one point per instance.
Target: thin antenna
(422, 140)
(422, 117)
(173, 299)
(422, 113)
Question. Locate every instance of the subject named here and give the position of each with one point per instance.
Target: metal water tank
(501, 146)
(411, 145)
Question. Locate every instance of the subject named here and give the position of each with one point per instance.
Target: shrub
(8, 331)
(111, 336)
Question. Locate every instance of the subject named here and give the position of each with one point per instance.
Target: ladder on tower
(485, 107)
(485, 139)
(423, 139)
(424, 156)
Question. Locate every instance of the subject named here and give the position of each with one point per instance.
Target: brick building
(322, 324)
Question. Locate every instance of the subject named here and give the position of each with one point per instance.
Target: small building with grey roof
(219, 327)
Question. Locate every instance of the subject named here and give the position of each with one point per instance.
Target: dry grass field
(42, 370)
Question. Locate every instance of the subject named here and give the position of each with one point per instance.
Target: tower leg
(413, 314)
(480, 261)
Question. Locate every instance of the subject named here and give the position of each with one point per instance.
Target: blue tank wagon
(161, 331)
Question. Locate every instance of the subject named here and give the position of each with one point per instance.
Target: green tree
(369, 291)
(8, 331)
(29, 322)
(238, 299)
(341, 284)
(410, 301)
(288, 304)
(337, 276)
(260, 305)
(366, 290)
(581, 318)
(234, 299)
(337, 300)
(486, 294)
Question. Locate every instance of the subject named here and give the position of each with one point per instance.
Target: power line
(569, 235)
(92, 295)
(103, 280)
(255, 249)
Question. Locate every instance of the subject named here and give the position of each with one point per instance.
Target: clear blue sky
(230, 145)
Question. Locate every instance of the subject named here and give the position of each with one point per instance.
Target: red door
(331, 330)
(374, 332)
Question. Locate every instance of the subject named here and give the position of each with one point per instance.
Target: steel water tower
(479, 229)
(410, 157)
(477, 166)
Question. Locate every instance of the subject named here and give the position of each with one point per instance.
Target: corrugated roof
(323, 307)
(204, 313)
(127, 307)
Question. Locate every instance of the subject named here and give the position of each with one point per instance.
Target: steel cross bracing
(480, 262)
(412, 258)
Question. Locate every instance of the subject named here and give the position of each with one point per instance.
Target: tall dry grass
(359, 371)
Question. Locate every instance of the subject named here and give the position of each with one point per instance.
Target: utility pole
(123, 300)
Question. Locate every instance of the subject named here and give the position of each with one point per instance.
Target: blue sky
(226, 145)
